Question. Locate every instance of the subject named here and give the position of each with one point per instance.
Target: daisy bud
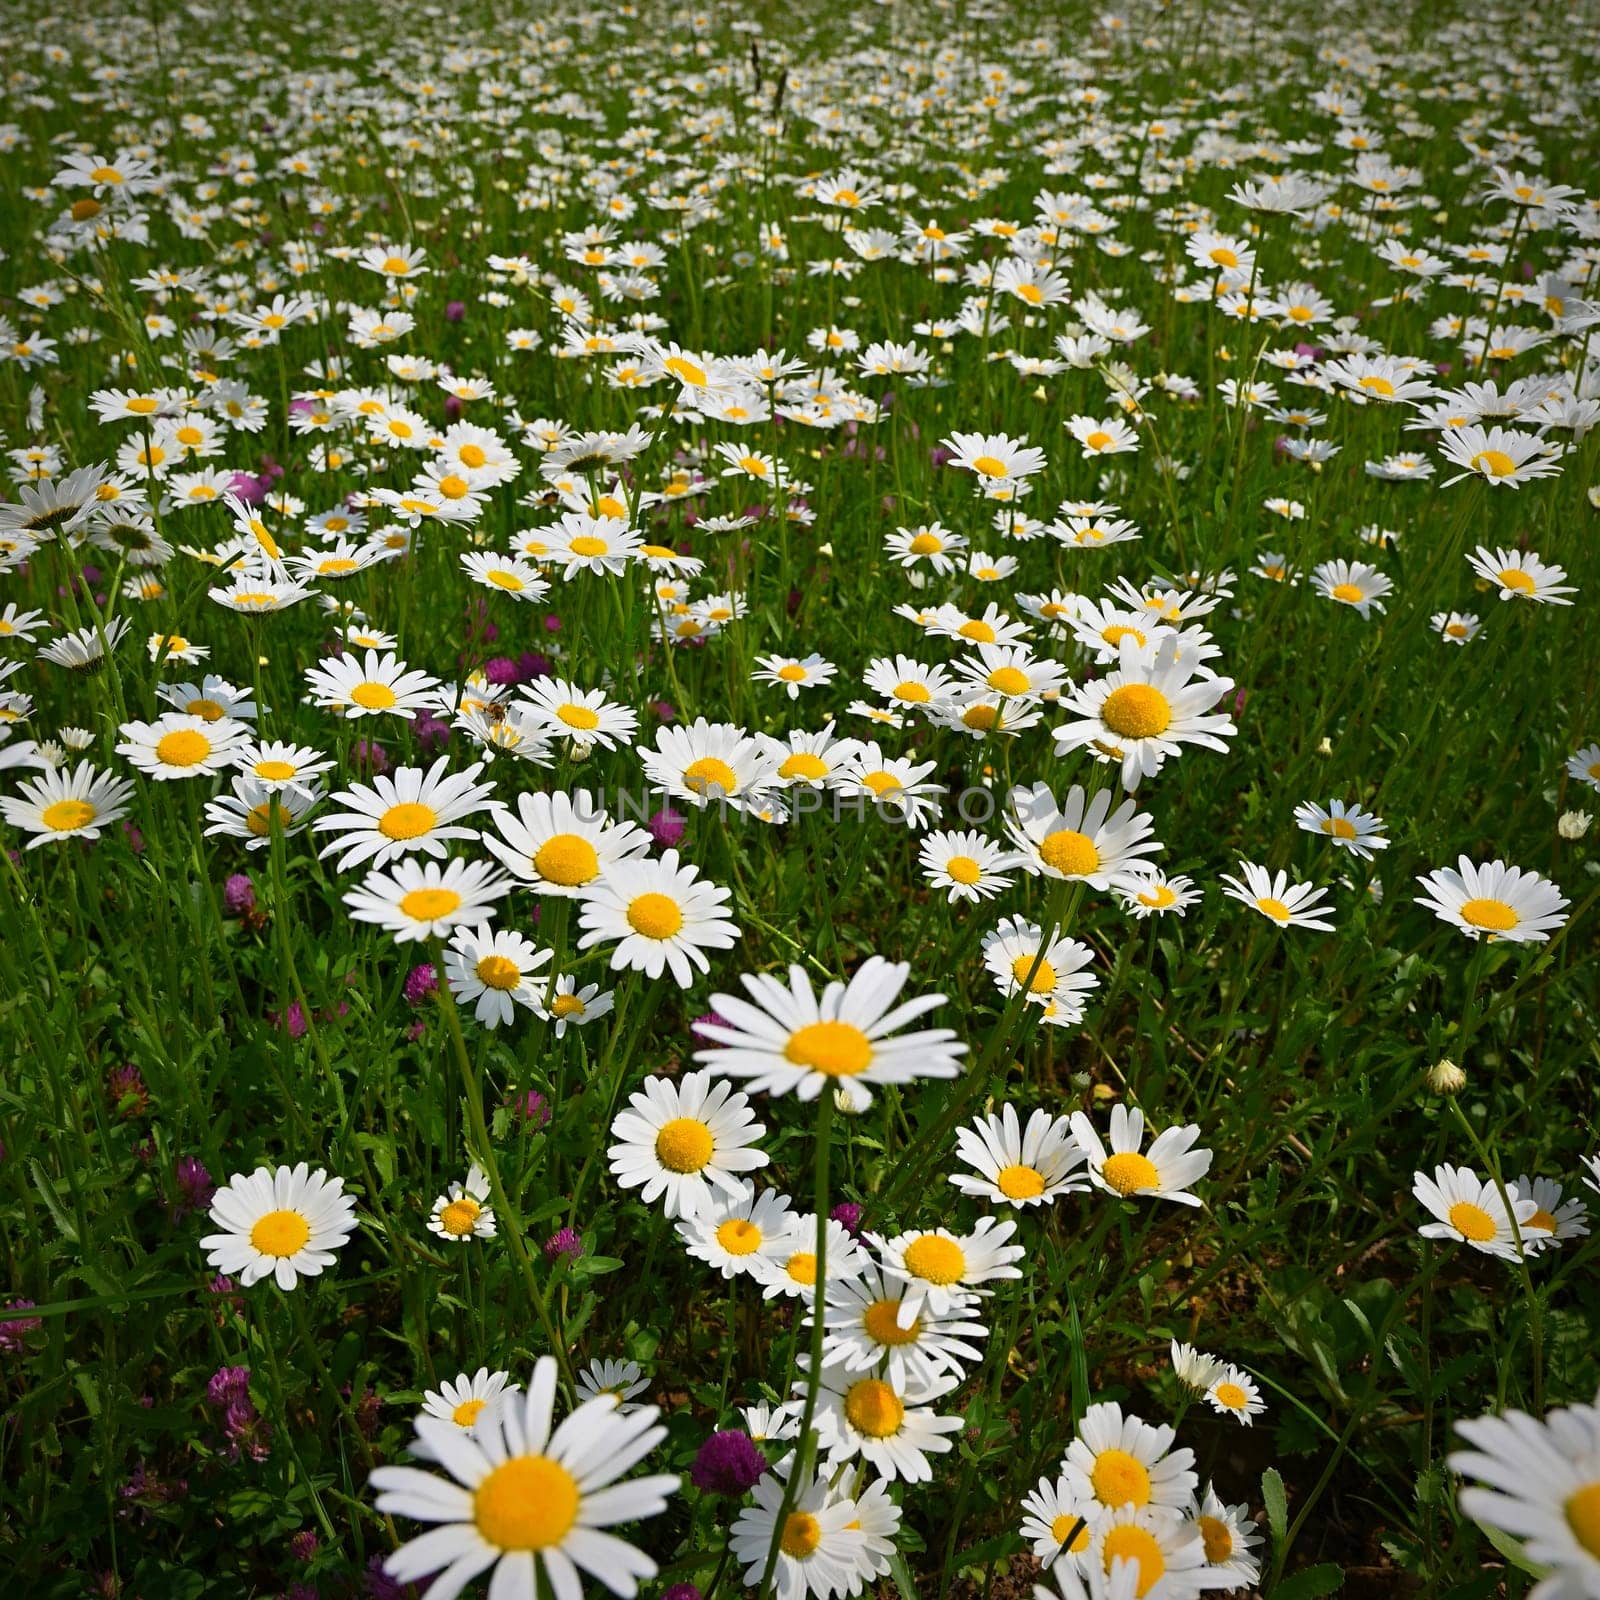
(1445, 1077)
(1573, 824)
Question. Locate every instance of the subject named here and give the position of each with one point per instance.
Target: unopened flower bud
(1445, 1077)
(1573, 824)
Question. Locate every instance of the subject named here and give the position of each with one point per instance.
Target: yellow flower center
(1583, 1516)
(879, 1320)
(739, 1236)
(183, 748)
(106, 175)
(206, 710)
(585, 544)
(1376, 385)
(709, 773)
(410, 820)
(874, 1408)
(428, 905)
(1339, 827)
(883, 784)
(990, 466)
(684, 1144)
(567, 1005)
(1020, 1183)
(142, 405)
(67, 816)
(935, 1259)
(498, 972)
(1222, 256)
(1119, 1479)
(1138, 1545)
(459, 1217)
(910, 689)
(398, 265)
(802, 1267)
(1494, 915)
(467, 1412)
(1098, 440)
(1350, 593)
(568, 859)
(1069, 852)
(1516, 578)
(1044, 980)
(926, 544)
(1493, 464)
(502, 579)
(1231, 1396)
(1543, 1220)
(1008, 680)
(1215, 1537)
(261, 817)
(655, 916)
(979, 632)
(802, 764)
(1159, 897)
(1269, 906)
(280, 1233)
(526, 1503)
(684, 370)
(1061, 1530)
(1128, 1172)
(1137, 711)
(1472, 1222)
(274, 771)
(835, 1049)
(963, 869)
(374, 696)
(793, 673)
(802, 1533)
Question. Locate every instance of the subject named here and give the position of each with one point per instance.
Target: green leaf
(901, 1573)
(1311, 1582)
(1276, 1499)
(1512, 1550)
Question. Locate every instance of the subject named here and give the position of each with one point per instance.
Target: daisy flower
(1234, 1394)
(1102, 437)
(1540, 1482)
(214, 699)
(253, 809)
(1584, 765)
(660, 914)
(1299, 906)
(1019, 1166)
(462, 1212)
(561, 844)
(370, 686)
(1156, 1543)
(1119, 1460)
(284, 1223)
(1522, 576)
(593, 544)
(1228, 1536)
(494, 972)
(1013, 672)
(1013, 954)
(622, 1380)
(61, 805)
(422, 900)
(1471, 1211)
(1499, 456)
(736, 1227)
(897, 787)
(508, 574)
(945, 1269)
(166, 647)
(784, 1037)
(907, 681)
(1056, 1520)
(1356, 584)
(678, 1140)
(810, 760)
(276, 765)
(412, 811)
(581, 716)
(862, 1330)
(1195, 1369)
(993, 456)
(525, 1498)
(461, 1401)
(789, 1266)
(569, 1005)
(1081, 839)
(1144, 710)
(710, 762)
(1494, 901)
(1147, 891)
(1556, 1220)
(1349, 827)
(794, 673)
(931, 543)
(820, 1547)
(892, 1427)
(965, 865)
(177, 745)
(1163, 1172)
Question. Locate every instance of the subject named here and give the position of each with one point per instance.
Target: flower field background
(796, 800)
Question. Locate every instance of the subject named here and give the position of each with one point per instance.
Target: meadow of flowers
(795, 801)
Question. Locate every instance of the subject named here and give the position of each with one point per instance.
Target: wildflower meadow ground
(796, 800)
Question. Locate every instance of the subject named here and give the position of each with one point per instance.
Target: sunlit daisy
(463, 1212)
(285, 1223)
(1470, 1210)
(660, 914)
(494, 972)
(1494, 901)
(1163, 1172)
(1020, 1166)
